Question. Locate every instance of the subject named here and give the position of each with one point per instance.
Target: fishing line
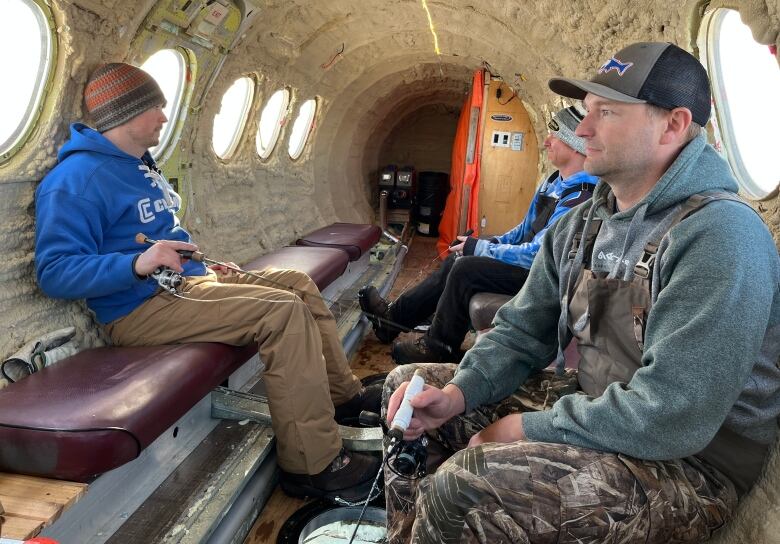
(172, 285)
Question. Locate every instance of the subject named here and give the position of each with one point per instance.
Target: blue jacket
(508, 247)
(88, 210)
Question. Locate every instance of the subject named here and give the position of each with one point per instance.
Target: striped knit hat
(563, 125)
(117, 92)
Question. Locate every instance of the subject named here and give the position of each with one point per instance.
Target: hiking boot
(423, 350)
(378, 311)
(349, 477)
(369, 399)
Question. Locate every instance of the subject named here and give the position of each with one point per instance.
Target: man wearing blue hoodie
(669, 283)
(499, 265)
(105, 189)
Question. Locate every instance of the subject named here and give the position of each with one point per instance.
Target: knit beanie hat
(117, 92)
(563, 125)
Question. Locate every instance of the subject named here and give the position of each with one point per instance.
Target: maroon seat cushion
(353, 238)
(100, 408)
(483, 308)
(322, 264)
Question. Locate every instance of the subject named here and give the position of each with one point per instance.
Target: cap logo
(615, 64)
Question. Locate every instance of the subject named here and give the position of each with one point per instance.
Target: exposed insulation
(387, 71)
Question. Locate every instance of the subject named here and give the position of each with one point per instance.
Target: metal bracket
(238, 406)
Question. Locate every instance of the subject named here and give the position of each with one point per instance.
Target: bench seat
(100, 408)
(322, 264)
(483, 308)
(355, 239)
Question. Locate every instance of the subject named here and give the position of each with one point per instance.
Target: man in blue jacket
(677, 320)
(499, 265)
(105, 189)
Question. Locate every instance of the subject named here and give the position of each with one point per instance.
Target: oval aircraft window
(271, 122)
(168, 68)
(746, 84)
(301, 128)
(27, 51)
(230, 121)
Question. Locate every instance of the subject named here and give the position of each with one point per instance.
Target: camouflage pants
(534, 492)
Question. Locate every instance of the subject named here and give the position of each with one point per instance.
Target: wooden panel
(507, 174)
(33, 503)
(267, 526)
(30, 508)
(19, 528)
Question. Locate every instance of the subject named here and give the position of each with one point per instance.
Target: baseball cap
(656, 73)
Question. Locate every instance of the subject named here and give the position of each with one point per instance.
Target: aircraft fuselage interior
(369, 144)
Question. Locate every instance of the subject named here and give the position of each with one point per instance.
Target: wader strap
(546, 205)
(585, 188)
(544, 208)
(644, 266)
(590, 239)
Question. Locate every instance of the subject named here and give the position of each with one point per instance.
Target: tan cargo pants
(293, 332)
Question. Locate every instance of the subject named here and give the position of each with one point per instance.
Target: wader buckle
(643, 268)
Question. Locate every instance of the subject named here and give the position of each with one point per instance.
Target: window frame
(170, 136)
(709, 30)
(238, 132)
(279, 123)
(307, 133)
(49, 52)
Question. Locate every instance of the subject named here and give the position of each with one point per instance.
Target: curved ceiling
(373, 62)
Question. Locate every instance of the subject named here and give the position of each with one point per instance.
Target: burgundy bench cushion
(353, 238)
(100, 408)
(322, 264)
(483, 308)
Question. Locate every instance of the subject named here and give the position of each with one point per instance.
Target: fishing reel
(404, 458)
(168, 279)
(409, 458)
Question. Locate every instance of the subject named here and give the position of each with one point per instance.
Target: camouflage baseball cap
(655, 73)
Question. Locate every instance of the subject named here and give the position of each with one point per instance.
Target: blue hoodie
(506, 248)
(88, 210)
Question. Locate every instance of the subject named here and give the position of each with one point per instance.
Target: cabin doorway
(419, 149)
(509, 163)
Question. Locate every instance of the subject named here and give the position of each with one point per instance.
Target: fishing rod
(171, 281)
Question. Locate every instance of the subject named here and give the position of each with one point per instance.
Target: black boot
(378, 311)
(369, 399)
(424, 350)
(349, 477)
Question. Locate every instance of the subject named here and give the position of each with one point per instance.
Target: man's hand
(432, 407)
(162, 253)
(228, 270)
(507, 429)
(458, 248)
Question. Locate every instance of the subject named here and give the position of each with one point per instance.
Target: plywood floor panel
(32, 503)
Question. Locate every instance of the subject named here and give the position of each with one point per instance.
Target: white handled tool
(403, 417)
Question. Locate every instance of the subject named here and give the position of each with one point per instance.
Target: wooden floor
(30, 503)
(372, 357)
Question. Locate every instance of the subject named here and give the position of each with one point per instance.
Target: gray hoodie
(712, 339)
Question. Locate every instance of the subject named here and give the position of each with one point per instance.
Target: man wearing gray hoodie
(669, 283)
